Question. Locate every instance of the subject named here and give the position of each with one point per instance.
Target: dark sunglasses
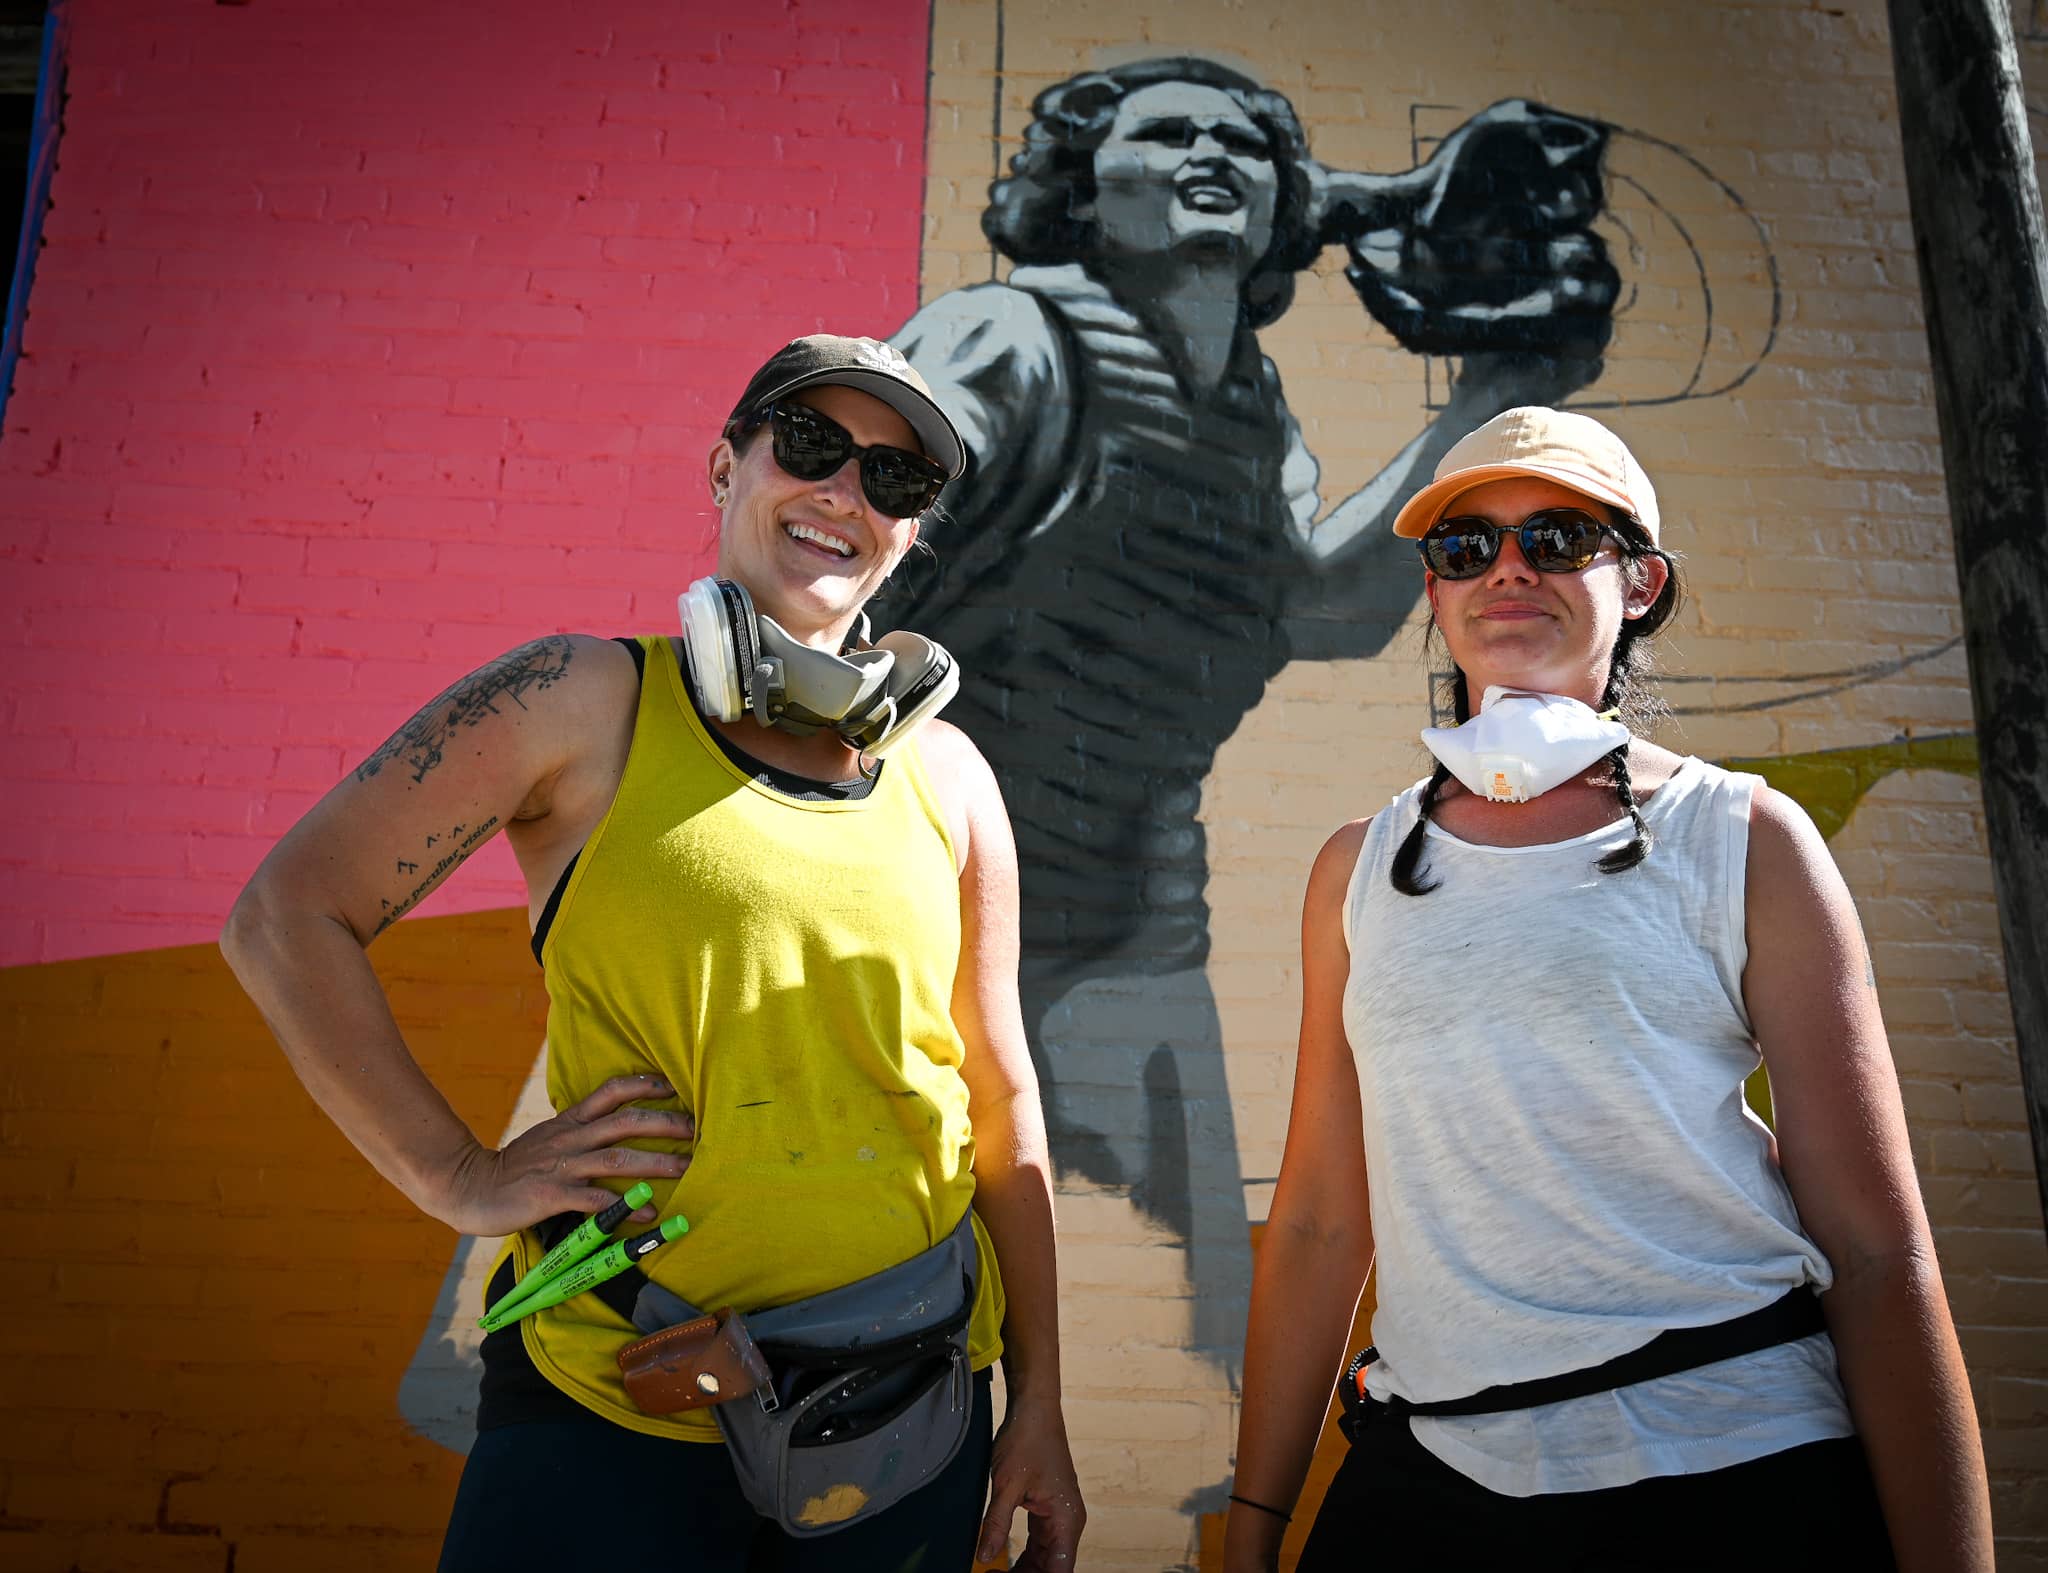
(811, 446)
(1554, 540)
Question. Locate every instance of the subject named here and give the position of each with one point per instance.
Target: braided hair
(1627, 692)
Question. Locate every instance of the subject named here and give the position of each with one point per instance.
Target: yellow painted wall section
(212, 1298)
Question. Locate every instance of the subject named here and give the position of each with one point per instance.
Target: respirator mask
(1522, 744)
(742, 662)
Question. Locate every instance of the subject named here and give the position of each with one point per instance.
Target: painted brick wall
(369, 340)
(1809, 509)
(372, 339)
(216, 1298)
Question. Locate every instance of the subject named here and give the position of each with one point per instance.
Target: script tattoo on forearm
(464, 840)
(420, 744)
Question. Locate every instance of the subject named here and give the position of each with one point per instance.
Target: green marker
(586, 1237)
(587, 1275)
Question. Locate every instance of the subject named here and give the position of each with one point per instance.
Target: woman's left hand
(1034, 1469)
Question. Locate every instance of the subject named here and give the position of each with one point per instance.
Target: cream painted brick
(1256, 1073)
(1120, 1268)
(1969, 1058)
(1110, 1476)
(1921, 962)
(1963, 1248)
(1157, 1369)
(1909, 707)
(1994, 1103)
(1967, 915)
(1830, 574)
(1986, 1012)
(1094, 1327)
(1986, 1200)
(1906, 1007)
(1928, 580)
(1086, 1211)
(1931, 1102)
(1782, 613)
(1138, 1420)
(1137, 1528)
(1960, 1150)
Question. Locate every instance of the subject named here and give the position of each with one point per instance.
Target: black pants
(571, 1495)
(1394, 1504)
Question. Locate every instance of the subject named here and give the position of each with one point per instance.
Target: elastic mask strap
(859, 636)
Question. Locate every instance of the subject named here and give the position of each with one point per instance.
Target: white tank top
(1562, 1165)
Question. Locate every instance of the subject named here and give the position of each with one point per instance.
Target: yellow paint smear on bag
(835, 1506)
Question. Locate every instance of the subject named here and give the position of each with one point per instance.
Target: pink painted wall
(368, 340)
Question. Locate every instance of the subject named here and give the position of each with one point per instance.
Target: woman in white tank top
(1618, 1323)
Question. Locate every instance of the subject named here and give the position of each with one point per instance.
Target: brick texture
(368, 341)
(216, 1298)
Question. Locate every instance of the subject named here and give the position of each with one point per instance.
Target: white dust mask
(1520, 745)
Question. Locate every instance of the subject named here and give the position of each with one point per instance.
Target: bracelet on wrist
(1285, 1518)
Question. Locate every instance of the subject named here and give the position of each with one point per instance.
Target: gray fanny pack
(860, 1395)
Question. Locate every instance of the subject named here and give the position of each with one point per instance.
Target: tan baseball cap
(1555, 445)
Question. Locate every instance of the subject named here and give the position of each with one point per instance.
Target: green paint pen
(586, 1237)
(587, 1275)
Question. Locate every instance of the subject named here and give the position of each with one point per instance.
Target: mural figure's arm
(997, 366)
(1841, 1135)
(514, 744)
(1317, 1247)
(1482, 253)
(1033, 1467)
(1359, 530)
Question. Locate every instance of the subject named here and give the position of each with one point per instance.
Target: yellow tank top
(788, 966)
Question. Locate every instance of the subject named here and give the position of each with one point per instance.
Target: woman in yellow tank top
(782, 977)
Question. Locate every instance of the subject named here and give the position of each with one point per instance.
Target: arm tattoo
(421, 742)
(466, 839)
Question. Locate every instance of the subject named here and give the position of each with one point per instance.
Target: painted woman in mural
(1139, 545)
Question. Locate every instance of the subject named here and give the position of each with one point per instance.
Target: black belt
(1796, 1315)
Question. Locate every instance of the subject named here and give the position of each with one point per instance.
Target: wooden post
(1977, 231)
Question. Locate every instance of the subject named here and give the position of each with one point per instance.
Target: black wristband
(1285, 1518)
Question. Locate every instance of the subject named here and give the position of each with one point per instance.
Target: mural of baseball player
(1139, 544)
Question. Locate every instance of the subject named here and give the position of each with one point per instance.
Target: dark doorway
(21, 51)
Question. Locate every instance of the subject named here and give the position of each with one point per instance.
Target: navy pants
(570, 1495)
(1395, 1504)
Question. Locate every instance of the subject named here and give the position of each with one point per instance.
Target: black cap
(869, 365)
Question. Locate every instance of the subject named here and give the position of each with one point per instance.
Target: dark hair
(1031, 216)
(1627, 691)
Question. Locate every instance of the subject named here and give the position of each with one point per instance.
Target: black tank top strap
(547, 912)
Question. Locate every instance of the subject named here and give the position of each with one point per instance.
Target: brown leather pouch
(693, 1364)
